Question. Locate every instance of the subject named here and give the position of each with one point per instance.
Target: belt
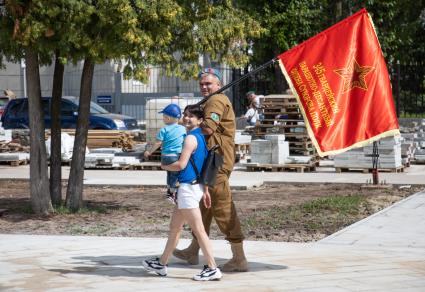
(195, 182)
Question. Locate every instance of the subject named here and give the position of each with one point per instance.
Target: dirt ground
(295, 213)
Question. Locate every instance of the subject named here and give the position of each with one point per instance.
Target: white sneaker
(208, 274)
(155, 266)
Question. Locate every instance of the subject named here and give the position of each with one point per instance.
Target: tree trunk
(74, 193)
(55, 135)
(39, 182)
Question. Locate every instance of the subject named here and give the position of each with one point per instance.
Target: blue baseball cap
(172, 110)
(212, 71)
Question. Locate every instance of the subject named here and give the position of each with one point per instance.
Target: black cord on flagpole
(237, 81)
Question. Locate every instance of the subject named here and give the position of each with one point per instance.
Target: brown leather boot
(189, 254)
(238, 262)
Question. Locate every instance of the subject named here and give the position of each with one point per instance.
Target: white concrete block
(275, 137)
(106, 150)
(14, 156)
(264, 158)
(242, 139)
(280, 152)
(261, 147)
(5, 135)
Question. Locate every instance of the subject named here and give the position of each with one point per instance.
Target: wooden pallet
(241, 151)
(15, 162)
(297, 137)
(156, 156)
(245, 148)
(147, 166)
(63, 163)
(280, 167)
(286, 127)
(109, 166)
(301, 144)
(303, 152)
(368, 170)
(294, 121)
(283, 100)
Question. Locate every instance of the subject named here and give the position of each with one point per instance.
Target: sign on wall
(104, 99)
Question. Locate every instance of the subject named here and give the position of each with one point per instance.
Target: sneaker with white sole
(172, 196)
(208, 274)
(155, 266)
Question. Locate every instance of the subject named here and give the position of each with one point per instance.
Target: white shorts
(188, 195)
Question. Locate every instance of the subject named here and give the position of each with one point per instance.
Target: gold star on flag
(354, 75)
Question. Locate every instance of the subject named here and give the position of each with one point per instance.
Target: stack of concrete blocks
(154, 119)
(16, 156)
(353, 158)
(240, 138)
(414, 135)
(272, 150)
(389, 150)
(300, 159)
(107, 158)
(417, 142)
(420, 139)
(410, 138)
(420, 156)
(261, 151)
(67, 147)
(408, 148)
(5, 135)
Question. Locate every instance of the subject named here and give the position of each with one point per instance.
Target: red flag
(342, 85)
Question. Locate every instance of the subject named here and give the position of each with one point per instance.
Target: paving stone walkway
(385, 252)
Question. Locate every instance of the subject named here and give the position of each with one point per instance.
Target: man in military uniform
(219, 127)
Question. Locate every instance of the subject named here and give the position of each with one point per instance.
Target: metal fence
(129, 97)
(408, 81)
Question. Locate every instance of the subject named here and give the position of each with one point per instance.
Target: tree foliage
(400, 27)
(137, 33)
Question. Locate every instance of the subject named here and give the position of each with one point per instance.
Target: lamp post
(23, 77)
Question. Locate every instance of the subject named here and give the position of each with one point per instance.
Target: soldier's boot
(238, 262)
(189, 254)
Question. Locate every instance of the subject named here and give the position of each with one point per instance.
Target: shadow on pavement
(130, 266)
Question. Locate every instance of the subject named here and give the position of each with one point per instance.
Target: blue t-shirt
(172, 137)
(188, 174)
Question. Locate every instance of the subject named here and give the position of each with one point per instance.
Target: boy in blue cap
(170, 138)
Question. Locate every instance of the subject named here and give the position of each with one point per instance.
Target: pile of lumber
(13, 147)
(106, 138)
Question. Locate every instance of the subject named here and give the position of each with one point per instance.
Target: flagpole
(237, 81)
(375, 160)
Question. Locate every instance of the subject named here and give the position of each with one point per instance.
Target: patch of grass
(412, 115)
(325, 215)
(337, 204)
(25, 209)
(63, 210)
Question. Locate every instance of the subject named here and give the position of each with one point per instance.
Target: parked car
(15, 115)
(3, 102)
